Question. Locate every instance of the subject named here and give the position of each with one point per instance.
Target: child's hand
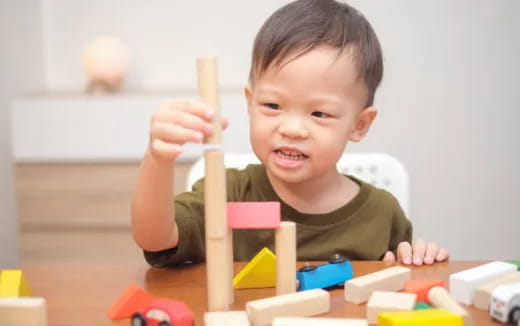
(179, 122)
(422, 252)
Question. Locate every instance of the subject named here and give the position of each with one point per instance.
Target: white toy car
(505, 303)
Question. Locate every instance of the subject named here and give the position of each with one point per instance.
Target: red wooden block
(253, 215)
(421, 288)
(133, 299)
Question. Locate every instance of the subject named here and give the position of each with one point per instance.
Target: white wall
(20, 70)
(448, 103)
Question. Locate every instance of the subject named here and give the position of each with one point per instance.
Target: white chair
(378, 169)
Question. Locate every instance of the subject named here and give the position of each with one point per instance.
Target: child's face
(303, 114)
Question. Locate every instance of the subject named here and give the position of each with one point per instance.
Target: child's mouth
(289, 158)
(290, 155)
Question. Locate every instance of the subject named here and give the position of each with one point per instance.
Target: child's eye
(272, 106)
(320, 114)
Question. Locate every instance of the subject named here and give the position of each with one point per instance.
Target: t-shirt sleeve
(401, 227)
(189, 216)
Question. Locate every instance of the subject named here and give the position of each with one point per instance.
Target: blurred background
(68, 158)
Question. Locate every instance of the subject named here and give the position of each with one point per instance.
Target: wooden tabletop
(81, 295)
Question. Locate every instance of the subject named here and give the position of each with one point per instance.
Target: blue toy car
(327, 276)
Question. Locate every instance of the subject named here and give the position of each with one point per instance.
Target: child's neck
(319, 196)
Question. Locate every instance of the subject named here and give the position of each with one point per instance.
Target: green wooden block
(421, 306)
(515, 262)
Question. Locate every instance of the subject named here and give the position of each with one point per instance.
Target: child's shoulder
(376, 195)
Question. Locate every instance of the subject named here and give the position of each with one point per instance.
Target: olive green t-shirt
(364, 229)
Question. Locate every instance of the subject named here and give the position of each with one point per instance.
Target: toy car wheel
(337, 259)
(307, 268)
(138, 320)
(165, 323)
(514, 316)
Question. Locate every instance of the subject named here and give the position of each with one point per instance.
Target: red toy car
(164, 312)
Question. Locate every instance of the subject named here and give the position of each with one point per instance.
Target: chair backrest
(378, 169)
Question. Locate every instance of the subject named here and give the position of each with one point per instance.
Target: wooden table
(81, 295)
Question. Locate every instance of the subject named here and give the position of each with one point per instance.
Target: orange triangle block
(13, 284)
(260, 272)
(133, 299)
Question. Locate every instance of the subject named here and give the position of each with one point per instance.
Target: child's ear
(248, 94)
(364, 121)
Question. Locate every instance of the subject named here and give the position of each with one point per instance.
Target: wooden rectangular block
(227, 318)
(381, 301)
(253, 215)
(300, 304)
(23, 311)
(358, 290)
(440, 298)
(285, 244)
(463, 284)
(306, 321)
(483, 293)
(427, 317)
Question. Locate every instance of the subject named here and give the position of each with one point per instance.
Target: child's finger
(225, 122)
(166, 150)
(431, 252)
(389, 256)
(442, 255)
(419, 249)
(195, 107)
(404, 252)
(175, 134)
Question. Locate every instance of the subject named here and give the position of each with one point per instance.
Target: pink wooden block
(253, 215)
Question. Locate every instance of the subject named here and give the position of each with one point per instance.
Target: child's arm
(153, 212)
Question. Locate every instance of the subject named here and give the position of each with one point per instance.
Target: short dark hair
(303, 25)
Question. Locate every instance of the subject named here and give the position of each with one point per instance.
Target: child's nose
(294, 127)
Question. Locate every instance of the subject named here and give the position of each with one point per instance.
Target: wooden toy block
(215, 213)
(381, 301)
(516, 263)
(358, 290)
(299, 304)
(422, 305)
(253, 215)
(217, 278)
(483, 293)
(227, 318)
(165, 312)
(427, 317)
(13, 284)
(23, 311)
(133, 299)
(260, 272)
(306, 321)
(285, 245)
(421, 288)
(464, 283)
(231, 263)
(440, 298)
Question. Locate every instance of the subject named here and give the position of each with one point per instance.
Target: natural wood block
(227, 318)
(483, 293)
(306, 321)
(300, 304)
(285, 243)
(358, 290)
(23, 312)
(427, 317)
(464, 283)
(381, 301)
(440, 298)
(253, 215)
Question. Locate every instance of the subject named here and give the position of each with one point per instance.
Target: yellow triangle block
(13, 284)
(260, 272)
